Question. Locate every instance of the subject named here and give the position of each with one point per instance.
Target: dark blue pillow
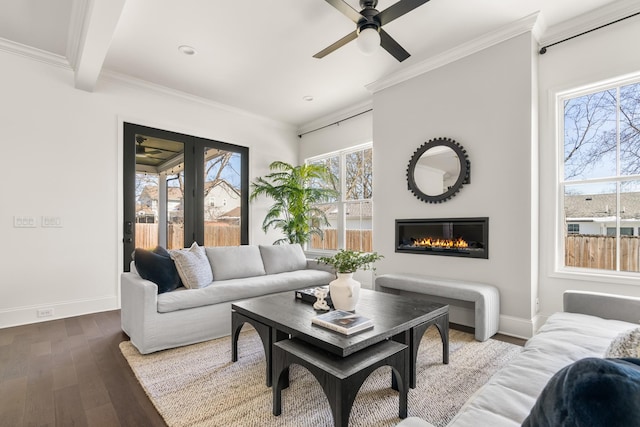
(158, 267)
(591, 392)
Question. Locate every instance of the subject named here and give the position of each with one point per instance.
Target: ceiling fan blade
(392, 46)
(346, 10)
(327, 50)
(398, 9)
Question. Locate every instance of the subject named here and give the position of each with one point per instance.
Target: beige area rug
(198, 385)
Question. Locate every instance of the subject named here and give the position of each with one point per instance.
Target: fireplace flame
(441, 243)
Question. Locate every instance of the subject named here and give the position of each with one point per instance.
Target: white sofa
(586, 328)
(186, 316)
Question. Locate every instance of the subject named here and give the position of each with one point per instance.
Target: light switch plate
(51, 221)
(24, 221)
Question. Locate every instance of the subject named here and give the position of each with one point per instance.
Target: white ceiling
(254, 55)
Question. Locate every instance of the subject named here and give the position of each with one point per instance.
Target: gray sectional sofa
(215, 277)
(586, 328)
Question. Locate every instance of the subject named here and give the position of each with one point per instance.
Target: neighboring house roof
(151, 192)
(601, 206)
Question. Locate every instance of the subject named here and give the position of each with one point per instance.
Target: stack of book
(344, 322)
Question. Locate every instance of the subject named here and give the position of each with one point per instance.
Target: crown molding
(153, 87)
(34, 53)
(590, 20)
(521, 26)
(337, 116)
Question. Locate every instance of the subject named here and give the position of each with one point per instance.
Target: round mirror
(437, 170)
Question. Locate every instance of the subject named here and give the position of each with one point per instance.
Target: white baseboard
(29, 314)
(516, 327)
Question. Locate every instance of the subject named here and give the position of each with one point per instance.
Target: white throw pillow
(283, 258)
(626, 344)
(193, 266)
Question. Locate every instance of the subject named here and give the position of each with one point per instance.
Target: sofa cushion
(235, 262)
(193, 266)
(158, 267)
(283, 258)
(627, 344)
(236, 289)
(590, 392)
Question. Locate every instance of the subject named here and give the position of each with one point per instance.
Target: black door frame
(193, 181)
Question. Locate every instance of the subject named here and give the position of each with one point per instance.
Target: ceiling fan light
(368, 41)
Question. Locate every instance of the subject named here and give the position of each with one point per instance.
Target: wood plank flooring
(70, 372)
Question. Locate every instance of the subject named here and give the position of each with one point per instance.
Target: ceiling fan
(141, 150)
(369, 22)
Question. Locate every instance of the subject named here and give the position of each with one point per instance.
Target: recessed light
(187, 50)
(308, 98)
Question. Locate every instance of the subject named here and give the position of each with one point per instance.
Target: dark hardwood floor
(70, 372)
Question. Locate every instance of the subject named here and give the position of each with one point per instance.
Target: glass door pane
(159, 204)
(222, 207)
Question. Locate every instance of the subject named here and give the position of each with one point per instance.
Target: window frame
(342, 202)
(560, 269)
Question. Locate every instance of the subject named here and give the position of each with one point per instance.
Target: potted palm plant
(345, 290)
(296, 190)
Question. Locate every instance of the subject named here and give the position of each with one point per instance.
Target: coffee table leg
(402, 338)
(276, 336)
(264, 332)
(442, 323)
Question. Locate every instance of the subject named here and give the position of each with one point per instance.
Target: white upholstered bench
(486, 298)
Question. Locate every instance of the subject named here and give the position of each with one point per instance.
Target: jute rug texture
(198, 385)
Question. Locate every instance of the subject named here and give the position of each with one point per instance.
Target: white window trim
(559, 269)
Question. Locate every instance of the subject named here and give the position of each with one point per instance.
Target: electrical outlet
(45, 312)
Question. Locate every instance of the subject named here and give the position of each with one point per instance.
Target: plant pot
(345, 292)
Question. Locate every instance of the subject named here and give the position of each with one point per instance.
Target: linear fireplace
(461, 237)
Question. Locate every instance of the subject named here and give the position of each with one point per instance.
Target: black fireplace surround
(460, 237)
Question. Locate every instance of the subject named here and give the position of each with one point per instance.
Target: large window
(349, 215)
(600, 178)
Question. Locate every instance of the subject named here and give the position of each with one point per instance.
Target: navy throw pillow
(158, 267)
(591, 392)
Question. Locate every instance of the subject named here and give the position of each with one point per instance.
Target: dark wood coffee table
(280, 316)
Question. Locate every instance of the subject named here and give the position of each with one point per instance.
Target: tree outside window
(601, 181)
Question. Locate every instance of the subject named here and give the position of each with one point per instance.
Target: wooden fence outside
(357, 240)
(214, 235)
(596, 251)
(225, 235)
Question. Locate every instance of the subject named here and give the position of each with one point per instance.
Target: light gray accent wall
(485, 102)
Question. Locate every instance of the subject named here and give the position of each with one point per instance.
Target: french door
(180, 189)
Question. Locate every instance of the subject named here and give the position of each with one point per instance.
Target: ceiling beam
(100, 21)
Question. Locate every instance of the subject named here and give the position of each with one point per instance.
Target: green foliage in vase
(296, 191)
(348, 261)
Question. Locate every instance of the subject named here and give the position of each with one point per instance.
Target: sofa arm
(606, 306)
(139, 301)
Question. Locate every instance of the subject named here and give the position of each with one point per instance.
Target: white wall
(62, 156)
(485, 102)
(591, 58)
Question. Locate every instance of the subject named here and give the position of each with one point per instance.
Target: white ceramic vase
(345, 292)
